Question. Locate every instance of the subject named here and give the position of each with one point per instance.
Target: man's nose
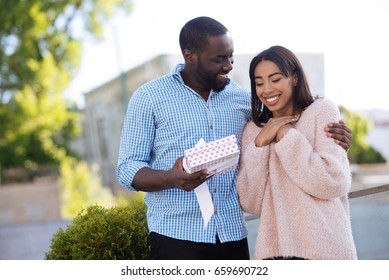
(227, 66)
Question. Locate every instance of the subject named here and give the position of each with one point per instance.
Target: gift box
(217, 157)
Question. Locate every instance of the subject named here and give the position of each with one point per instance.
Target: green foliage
(81, 187)
(360, 151)
(124, 197)
(40, 52)
(36, 130)
(97, 233)
(369, 155)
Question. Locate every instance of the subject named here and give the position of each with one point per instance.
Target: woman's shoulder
(322, 104)
(323, 108)
(251, 127)
(250, 130)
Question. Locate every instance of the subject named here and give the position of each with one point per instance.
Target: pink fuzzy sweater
(298, 187)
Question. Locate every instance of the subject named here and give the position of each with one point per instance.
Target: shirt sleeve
(319, 167)
(137, 138)
(253, 172)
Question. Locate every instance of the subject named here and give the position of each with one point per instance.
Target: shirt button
(215, 190)
(215, 212)
(211, 126)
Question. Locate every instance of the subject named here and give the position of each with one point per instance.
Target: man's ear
(189, 56)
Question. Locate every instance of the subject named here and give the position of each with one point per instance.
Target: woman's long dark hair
(289, 65)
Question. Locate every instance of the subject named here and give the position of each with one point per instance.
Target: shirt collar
(177, 72)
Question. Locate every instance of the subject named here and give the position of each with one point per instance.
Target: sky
(353, 35)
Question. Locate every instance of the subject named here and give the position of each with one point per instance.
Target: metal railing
(351, 195)
(368, 191)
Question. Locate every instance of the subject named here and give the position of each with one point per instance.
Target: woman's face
(274, 89)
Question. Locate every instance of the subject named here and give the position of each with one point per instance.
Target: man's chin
(219, 87)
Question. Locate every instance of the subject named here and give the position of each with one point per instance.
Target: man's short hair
(194, 34)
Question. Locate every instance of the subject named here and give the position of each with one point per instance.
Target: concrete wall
(30, 202)
(29, 216)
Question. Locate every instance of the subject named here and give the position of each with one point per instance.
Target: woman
(291, 175)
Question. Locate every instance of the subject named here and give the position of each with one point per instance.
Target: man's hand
(340, 133)
(186, 181)
(151, 180)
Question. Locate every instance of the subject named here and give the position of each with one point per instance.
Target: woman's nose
(267, 87)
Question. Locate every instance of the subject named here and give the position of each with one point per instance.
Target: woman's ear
(295, 79)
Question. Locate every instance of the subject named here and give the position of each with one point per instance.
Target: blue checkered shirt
(164, 118)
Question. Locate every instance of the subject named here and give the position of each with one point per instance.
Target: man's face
(215, 62)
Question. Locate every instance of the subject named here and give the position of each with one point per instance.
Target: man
(171, 114)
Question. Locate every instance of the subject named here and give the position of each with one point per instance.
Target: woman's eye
(276, 80)
(259, 85)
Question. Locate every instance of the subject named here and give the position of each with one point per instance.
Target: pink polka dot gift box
(217, 157)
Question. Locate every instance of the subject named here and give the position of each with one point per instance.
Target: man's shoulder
(234, 85)
(157, 85)
(158, 81)
(237, 90)
(166, 79)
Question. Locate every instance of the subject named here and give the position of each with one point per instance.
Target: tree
(81, 187)
(360, 151)
(40, 51)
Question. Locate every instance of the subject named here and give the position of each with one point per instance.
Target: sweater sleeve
(253, 171)
(319, 167)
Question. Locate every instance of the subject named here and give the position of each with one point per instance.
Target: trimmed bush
(98, 233)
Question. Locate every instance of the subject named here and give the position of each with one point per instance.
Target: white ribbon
(205, 201)
(203, 195)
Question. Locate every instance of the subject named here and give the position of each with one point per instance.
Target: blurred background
(68, 69)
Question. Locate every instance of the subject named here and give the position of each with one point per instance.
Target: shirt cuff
(126, 173)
